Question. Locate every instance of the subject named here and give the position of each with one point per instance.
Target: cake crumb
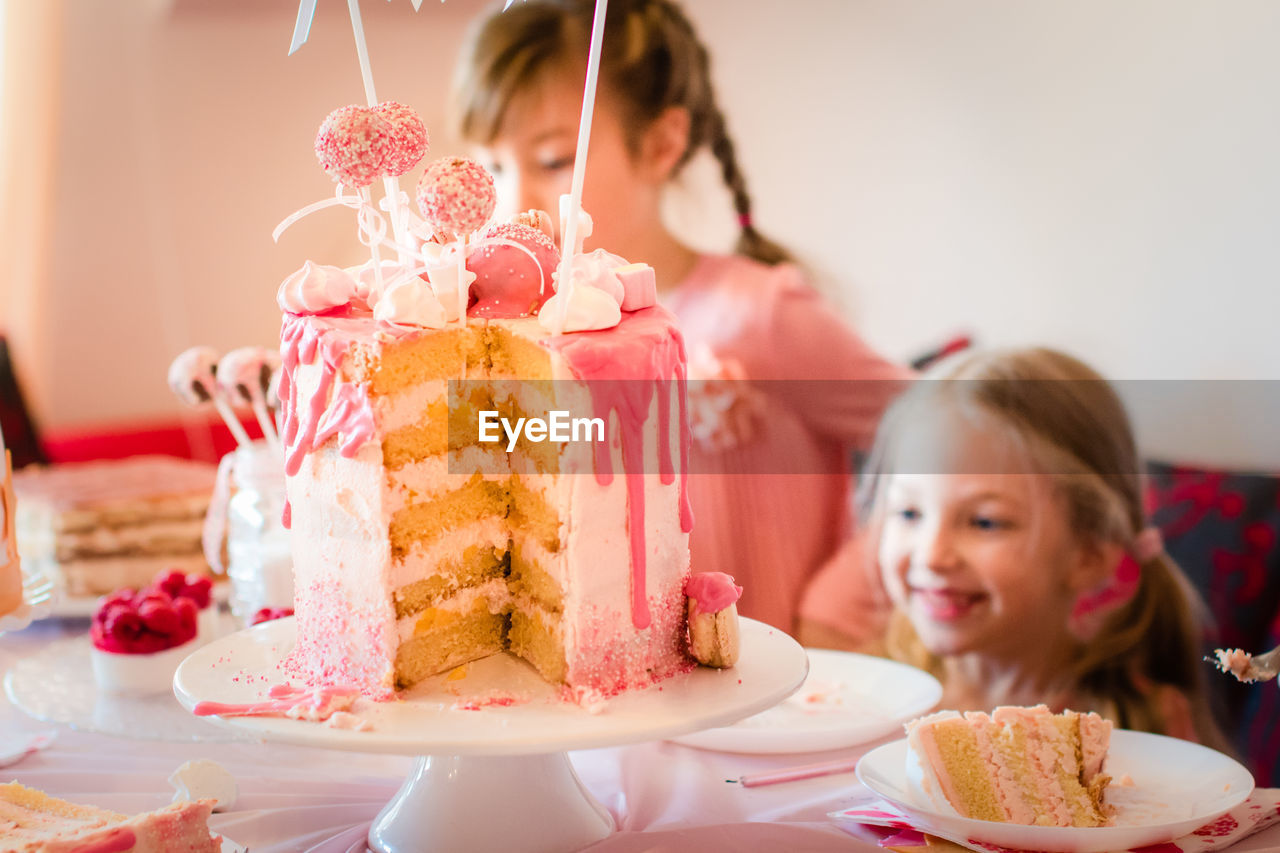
(1235, 662)
(458, 673)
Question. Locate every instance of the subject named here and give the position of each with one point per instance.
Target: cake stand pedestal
(492, 771)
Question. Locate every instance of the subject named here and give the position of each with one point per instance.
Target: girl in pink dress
(790, 392)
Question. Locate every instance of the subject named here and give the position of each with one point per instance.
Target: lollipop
(244, 375)
(354, 144)
(192, 376)
(456, 195)
(409, 140)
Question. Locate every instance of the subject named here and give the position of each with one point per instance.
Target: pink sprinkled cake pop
(353, 145)
(510, 282)
(456, 195)
(409, 140)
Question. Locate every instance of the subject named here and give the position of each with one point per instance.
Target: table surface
(663, 796)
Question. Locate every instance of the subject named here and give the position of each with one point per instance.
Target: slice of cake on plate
(31, 821)
(1015, 765)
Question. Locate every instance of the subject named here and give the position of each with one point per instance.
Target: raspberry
(198, 591)
(171, 582)
(123, 626)
(186, 610)
(159, 618)
(268, 614)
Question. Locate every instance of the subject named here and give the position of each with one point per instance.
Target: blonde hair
(652, 60)
(1069, 424)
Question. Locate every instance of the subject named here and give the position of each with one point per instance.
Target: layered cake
(98, 526)
(1015, 765)
(423, 539)
(34, 822)
(412, 556)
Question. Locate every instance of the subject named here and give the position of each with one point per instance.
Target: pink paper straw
(795, 774)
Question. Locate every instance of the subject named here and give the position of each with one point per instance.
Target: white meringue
(589, 308)
(316, 288)
(410, 303)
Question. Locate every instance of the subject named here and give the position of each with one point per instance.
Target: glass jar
(258, 561)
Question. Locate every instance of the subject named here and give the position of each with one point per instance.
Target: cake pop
(354, 144)
(513, 264)
(243, 376)
(193, 377)
(409, 139)
(456, 195)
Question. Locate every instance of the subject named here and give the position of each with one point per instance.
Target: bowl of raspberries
(138, 637)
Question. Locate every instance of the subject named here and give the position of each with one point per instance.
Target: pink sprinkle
(456, 195)
(409, 140)
(353, 145)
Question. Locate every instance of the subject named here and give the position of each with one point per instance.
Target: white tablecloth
(663, 797)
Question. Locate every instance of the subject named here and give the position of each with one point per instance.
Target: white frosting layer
(492, 593)
(422, 559)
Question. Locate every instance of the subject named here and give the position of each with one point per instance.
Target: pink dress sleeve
(784, 510)
(847, 596)
(838, 384)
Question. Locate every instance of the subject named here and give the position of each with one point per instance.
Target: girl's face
(982, 561)
(532, 157)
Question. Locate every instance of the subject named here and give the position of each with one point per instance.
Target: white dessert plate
(55, 684)
(498, 706)
(848, 699)
(1177, 788)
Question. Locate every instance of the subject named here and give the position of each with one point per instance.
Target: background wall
(1097, 175)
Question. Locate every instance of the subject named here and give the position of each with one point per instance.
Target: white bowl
(139, 674)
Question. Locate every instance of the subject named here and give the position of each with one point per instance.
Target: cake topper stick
(301, 31)
(564, 278)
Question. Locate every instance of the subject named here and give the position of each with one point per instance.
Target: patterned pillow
(1222, 528)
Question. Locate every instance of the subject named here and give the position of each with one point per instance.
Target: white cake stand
(492, 772)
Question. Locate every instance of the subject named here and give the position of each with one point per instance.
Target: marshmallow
(639, 286)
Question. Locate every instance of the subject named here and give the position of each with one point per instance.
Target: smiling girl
(1005, 501)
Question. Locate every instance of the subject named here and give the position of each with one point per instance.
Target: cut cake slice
(31, 821)
(1016, 765)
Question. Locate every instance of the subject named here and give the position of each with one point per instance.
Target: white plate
(55, 684)
(847, 699)
(1178, 787)
(501, 707)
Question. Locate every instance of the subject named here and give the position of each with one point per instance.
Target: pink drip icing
(283, 700)
(116, 840)
(348, 415)
(644, 351)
